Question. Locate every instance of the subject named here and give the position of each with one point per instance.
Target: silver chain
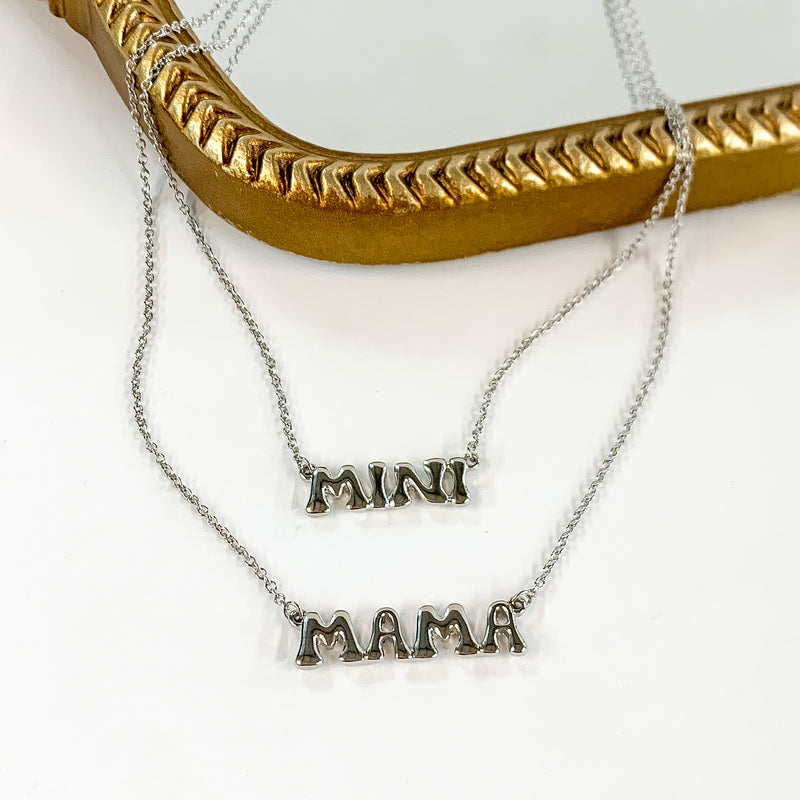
(570, 305)
(640, 82)
(141, 111)
(633, 55)
(218, 43)
(643, 91)
(635, 64)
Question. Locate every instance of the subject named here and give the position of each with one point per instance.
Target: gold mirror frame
(437, 204)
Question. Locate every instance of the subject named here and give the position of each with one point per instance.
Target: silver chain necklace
(501, 621)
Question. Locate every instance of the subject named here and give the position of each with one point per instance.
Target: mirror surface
(378, 77)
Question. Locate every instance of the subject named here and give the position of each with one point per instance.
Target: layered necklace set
(375, 486)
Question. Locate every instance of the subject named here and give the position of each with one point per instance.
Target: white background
(139, 658)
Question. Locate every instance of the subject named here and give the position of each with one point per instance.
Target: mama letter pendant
(445, 483)
(314, 634)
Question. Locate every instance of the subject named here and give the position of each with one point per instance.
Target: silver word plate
(446, 483)
(314, 634)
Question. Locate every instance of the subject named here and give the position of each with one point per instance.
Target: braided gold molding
(437, 204)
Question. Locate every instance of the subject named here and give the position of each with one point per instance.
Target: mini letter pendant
(406, 479)
(386, 630)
